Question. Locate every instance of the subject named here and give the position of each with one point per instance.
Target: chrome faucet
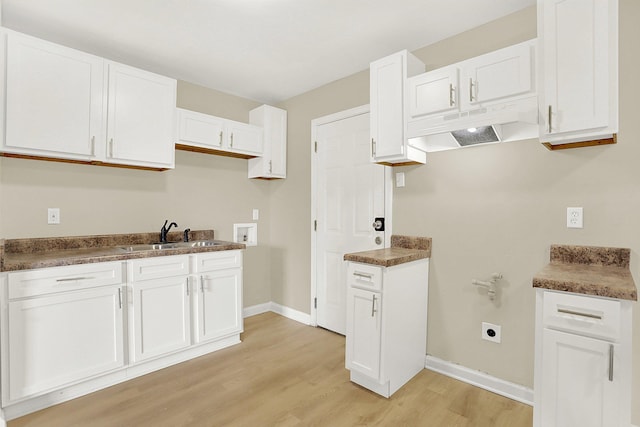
(164, 230)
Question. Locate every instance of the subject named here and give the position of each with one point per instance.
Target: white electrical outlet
(491, 332)
(574, 218)
(53, 216)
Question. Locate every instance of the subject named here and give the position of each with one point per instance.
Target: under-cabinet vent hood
(513, 120)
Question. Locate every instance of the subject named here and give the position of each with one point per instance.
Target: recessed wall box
(246, 233)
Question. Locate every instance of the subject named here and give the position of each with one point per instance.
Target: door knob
(378, 224)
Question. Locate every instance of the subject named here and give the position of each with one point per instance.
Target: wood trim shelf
(213, 151)
(80, 162)
(592, 143)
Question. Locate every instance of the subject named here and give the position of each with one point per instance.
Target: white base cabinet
(583, 361)
(61, 325)
(386, 324)
(64, 329)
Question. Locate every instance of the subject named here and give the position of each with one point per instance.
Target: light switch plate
(256, 214)
(400, 179)
(574, 218)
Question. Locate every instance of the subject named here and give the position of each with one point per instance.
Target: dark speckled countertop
(589, 270)
(403, 249)
(27, 254)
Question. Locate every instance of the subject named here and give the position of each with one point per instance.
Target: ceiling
(265, 50)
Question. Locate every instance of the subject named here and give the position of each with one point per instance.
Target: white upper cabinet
(388, 79)
(53, 99)
(273, 162)
(578, 42)
(475, 83)
(434, 92)
(65, 104)
(214, 135)
(504, 73)
(140, 121)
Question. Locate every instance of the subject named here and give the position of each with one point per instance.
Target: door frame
(388, 196)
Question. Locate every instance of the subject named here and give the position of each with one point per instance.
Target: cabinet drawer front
(159, 267)
(61, 279)
(212, 261)
(583, 315)
(364, 276)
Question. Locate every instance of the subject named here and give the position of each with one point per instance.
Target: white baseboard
(282, 310)
(480, 379)
(256, 309)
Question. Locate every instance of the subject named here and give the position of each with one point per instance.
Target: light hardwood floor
(282, 374)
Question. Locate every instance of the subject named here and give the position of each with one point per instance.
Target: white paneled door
(350, 192)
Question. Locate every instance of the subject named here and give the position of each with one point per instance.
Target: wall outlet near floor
(491, 332)
(53, 216)
(574, 218)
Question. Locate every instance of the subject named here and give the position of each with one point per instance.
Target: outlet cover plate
(574, 218)
(497, 332)
(53, 216)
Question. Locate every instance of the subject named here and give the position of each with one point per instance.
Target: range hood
(512, 120)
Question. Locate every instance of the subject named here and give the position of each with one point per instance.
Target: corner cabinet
(578, 46)
(66, 105)
(583, 361)
(388, 79)
(386, 324)
(273, 162)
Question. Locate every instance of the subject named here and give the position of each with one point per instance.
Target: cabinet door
(244, 138)
(141, 117)
(364, 332)
(387, 77)
(53, 99)
(200, 129)
(219, 304)
(160, 317)
(576, 387)
(273, 162)
(576, 58)
(59, 339)
(433, 92)
(506, 72)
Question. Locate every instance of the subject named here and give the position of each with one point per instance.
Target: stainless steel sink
(150, 247)
(173, 245)
(203, 243)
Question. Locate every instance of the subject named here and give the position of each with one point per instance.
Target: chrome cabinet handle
(111, 147)
(93, 146)
(451, 90)
(231, 145)
(73, 279)
(549, 118)
(220, 142)
(270, 167)
(611, 362)
(471, 85)
(120, 297)
(187, 286)
(202, 284)
(373, 306)
(579, 313)
(373, 147)
(363, 275)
